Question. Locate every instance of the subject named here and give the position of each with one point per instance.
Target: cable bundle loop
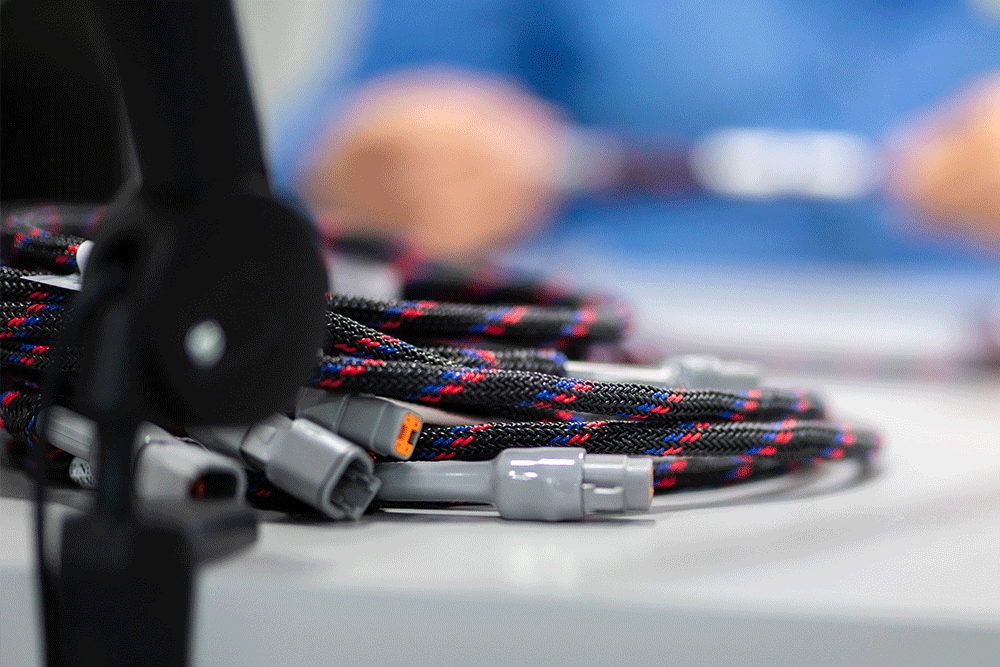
(502, 361)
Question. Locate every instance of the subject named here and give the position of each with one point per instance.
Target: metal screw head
(205, 343)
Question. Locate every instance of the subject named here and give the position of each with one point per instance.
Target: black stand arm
(211, 310)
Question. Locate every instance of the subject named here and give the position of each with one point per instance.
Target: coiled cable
(501, 361)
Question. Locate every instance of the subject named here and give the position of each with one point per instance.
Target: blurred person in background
(864, 132)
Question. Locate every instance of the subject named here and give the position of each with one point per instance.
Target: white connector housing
(542, 484)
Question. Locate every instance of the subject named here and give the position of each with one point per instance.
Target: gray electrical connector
(303, 459)
(166, 468)
(543, 484)
(691, 371)
(375, 423)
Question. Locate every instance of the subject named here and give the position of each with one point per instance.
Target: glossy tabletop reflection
(895, 563)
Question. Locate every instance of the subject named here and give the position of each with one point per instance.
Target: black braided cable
(30, 356)
(31, 321)
(524, 325)
(534, 360)
(671, 474)
(20, 412)
(782, 441)
(347, 336)
(523, 394)
(36, 321)
(695, 438)
(20, 403)
(32, 247)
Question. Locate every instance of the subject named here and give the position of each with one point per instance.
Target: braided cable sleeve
(535, 360)
(671, 474)
(31, 321)
(527, 325)
(690, 456)
(524, 394)
(25, 323)
(27, 292)
(35, 310)
(783, 441)
(59, 226)
(19, 405)
(347, 336)
(695, 438)
(39, 249)
(35, 357)
(31, 316)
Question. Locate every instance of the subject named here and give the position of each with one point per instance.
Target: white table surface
(820, 569)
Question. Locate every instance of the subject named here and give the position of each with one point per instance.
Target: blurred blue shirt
(681, 68)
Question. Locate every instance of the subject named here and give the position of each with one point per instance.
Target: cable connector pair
(303, 459)
(377, 424)
(166, 468)
(543, 484)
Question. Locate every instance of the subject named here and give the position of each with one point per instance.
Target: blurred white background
(286, 41)
(869, 323)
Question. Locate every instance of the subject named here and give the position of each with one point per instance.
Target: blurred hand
(451, 163)
(947, 165)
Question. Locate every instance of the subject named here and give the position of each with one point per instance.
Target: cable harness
(501, 365)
